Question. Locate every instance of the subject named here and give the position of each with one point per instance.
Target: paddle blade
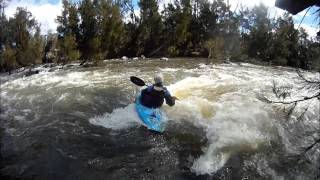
(137, 81)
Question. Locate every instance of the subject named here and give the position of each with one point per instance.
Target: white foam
(169, 69)
(239, 127)
(233, 118)
(19, 118)
(121, 118)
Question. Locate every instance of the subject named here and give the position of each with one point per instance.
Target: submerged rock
(124, 58)
(49, 65)
(227, 61)
(148, 170)
(52, 69)
(89, 64)
(164, 58)
(31, 72)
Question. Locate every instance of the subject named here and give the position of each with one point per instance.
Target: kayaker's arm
(170, 100)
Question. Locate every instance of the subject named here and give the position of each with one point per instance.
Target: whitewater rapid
(221, 100)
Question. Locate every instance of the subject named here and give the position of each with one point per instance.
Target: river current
(80, 123)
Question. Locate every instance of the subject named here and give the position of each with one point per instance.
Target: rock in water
(148, 169)
(164, 58)
(31, 72)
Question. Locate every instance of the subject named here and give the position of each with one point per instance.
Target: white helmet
(158, 79)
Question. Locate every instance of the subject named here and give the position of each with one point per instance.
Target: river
(80, 123)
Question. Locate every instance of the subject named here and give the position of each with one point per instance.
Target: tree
(177, 25)
(62, 20)
(89, 39)
(68, 49)
(128, 7)
(285, 41)
(227, 27)
(170, 16)
(3, 23)
(150, 27)
(112, 29)
(37, 44)
(22, 26)
(73, 22)
(8, 59)
(182, 33)
(21, 43)
(207, 20)
(68, 34)
(215, 48)
(258, 41)
(49, 54)
(313, 52)
(3, 4)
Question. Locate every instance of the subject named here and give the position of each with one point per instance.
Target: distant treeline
(91, 30)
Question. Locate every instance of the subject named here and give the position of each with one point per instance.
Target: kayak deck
(152, 118)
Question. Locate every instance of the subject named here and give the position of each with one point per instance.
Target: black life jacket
(152, 98)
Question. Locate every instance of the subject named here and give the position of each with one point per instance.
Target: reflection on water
(80, 123)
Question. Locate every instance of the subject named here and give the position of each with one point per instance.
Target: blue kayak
(152, 118)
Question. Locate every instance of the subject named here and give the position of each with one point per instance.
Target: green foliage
(150, 27)
(88, 30)
(99, 29)
(25, 37)
(68, 34)
(308, 52)
(314, 56)
(68, 49)
(259, 40)
(21, 42)
(22, 26)
(4, 33)
(8, 59)
(73, 22)
(173, 51)
(37, 46)
(112, 30)
(62, 20)
(215, 48)
(177, 26)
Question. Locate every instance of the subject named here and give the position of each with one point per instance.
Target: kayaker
(153, 96)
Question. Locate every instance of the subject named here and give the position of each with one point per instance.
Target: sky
(46, 11)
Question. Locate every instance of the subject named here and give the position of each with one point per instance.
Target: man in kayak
(153, 96)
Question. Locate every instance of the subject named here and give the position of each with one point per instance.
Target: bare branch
(282, 91)
(307, 80)
(292, 109)
(304, 112)
(312, 145)
(294, 101)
